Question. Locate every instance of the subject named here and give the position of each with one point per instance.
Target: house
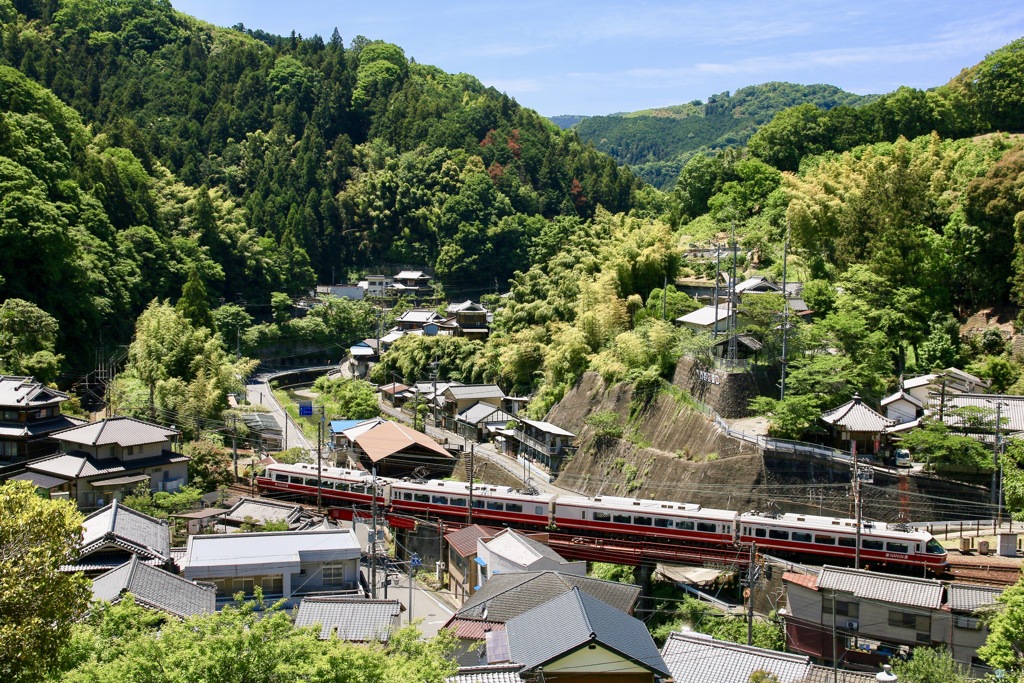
(376, 286)
(396, 394)
(29, 414)
(576, 636)
(413, 283)
(283, 563)
(747, 347)
(417, 318)
(363, 354)
(390, 338)
(863, 617)
(709, 319)
(496, 673)
(854, 423)
(480, 421)
(757, 284)
(543, 442)
(463, 570)
(399, 451)
(356, 620)
(260, 512)
(510, 551)
(267, 430)
(156, 589)
(902, 407)
(115, 534)
(456, 398)
(505, 596)
(343, 431)
(470, 320)
(355, 292)
(925, 393)
(698, 658)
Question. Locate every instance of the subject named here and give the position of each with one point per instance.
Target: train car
(338, 486)
(491, 504)
(830, 538)
(649, 519)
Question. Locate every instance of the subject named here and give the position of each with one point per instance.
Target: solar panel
(497, 647)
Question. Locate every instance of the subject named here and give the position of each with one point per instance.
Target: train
(798, 536)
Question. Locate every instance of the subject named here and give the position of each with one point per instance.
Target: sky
(602, 56)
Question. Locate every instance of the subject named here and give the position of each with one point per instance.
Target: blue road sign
(415, 561)
(305, 408)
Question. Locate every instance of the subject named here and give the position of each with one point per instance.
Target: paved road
(258, 391)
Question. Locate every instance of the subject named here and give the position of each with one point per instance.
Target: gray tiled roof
(134, 531)
(826, 674)
(79, 465)
(155, 588)
(902, 590)
(579, 619)
(262, 511)
(495, 673)
(122, 431)
(699, 658)
(354, 619)
(504, 596)
(1011, 409)
(967, 598)
(854, 416)
(477, 412)
(43, 481)
(461, 393)
(25, 392)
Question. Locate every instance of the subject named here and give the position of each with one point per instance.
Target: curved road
(257, 391)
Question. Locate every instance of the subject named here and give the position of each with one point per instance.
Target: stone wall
(729, 393)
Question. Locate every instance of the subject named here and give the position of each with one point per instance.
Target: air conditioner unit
(852, 625)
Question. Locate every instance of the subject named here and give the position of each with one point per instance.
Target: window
(662, 523)
(406, 495)
(245, 585)
(130, 450)
(478, 504)
(824, 540)
(778, 534)
(918, 622)
(439, 500)
(897, 547)
(311, 481)
(869, 544)
(684, 525)
(622, 519)
(296, 480)
(333, 573)
(10, 416)
(642, 521)
(494, 505)
(801, 537)
(513, 507)
(281, 477)
(272, 584)
(421, 497)
(972, 623)
(707, 526)
(843, 608)
(539, 510)
(457, 502)
(602, 517)
(760, 533)
(847, 542)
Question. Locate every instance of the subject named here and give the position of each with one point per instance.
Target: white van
(903, 458)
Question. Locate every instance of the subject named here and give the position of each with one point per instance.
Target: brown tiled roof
(473, 629)
(805, 580)
(464, 540)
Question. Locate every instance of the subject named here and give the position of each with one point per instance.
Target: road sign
(415, 561)
(305, 408)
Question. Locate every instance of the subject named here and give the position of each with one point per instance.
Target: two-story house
(102, 461)
(543, 442)
(470, 319)
(456, 398)
(510, 551)
(29, 414)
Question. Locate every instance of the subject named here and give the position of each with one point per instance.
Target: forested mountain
(656, 143)
(147, 145)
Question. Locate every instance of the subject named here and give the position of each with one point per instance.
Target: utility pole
(997, 498)
(373, 541)
(785, 313)
(835, 659)
(471, 447)
(752, 577)
(856, 504)
(234, 443)
(433, 378)
(718, 271)
(319, 446)
(733, 350)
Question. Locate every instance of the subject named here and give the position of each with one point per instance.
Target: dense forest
(656, 143)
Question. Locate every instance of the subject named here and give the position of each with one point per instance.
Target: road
(258, 392)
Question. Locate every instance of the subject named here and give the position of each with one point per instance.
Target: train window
(342, 486)
(684, 525)
(869, 544)
(801, 537)
(622, 519)
(296, 480)
(457, 502)
(779, 534)
(311, 481)
(642, 521)
(421, 497)
(760, 532)
(602, 517)
(824, 540)
(494, 505)
(706, 526)
(327, 484)
(440, 500)
(281, 478)
(406, 496)
(478, 504)
(897, 547)
(847, 542)
(539, 510)
(662, 523)
(513, 507)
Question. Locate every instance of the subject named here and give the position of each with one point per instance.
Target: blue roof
(338, 426)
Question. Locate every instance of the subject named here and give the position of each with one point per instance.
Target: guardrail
(976, 527)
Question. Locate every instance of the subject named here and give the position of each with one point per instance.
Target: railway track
(983, 570)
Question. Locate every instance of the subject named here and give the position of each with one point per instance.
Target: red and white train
(826, 538)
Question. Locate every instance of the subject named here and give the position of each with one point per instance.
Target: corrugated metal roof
(390, 438)
(580, 619)
(968, 598)
(854, 416)
(120, 431)
(463, 541)
(704, 317)
(464, 391)
(546, 427)
(354, 619)
(900, 590)
(156, 588)
(262, 511)
(699, 658)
